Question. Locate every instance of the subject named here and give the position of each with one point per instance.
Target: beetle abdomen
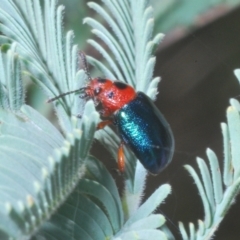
(144, 129)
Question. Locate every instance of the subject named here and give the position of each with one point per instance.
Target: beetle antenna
(86, 70)
(85, 64)
(64, 94)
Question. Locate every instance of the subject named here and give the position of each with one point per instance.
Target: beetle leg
(103, 124)
(121, 158)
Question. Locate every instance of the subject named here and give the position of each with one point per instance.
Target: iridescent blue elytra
(144, 129)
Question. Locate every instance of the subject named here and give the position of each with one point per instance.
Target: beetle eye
(97, 91)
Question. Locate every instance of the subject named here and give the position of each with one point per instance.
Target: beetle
(140, 124)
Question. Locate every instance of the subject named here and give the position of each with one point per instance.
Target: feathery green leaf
(222, 187)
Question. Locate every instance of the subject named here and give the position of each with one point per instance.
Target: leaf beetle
(140, 124)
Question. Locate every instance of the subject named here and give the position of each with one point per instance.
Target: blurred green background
(196, 62)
